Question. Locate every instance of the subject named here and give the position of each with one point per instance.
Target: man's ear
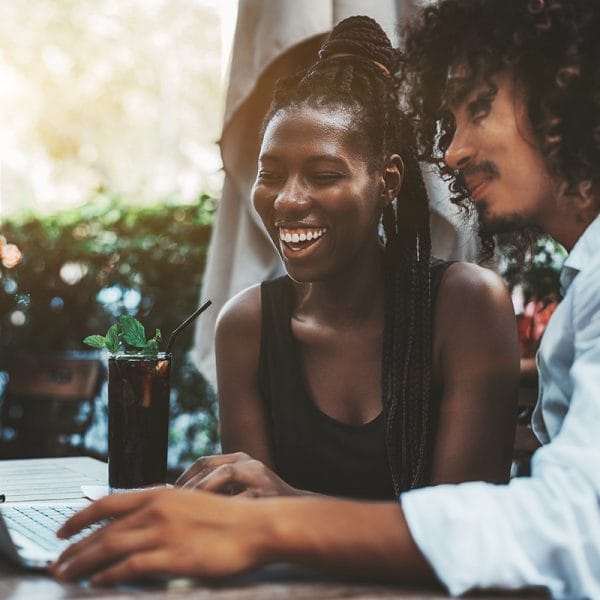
(393, 176)
(587, 200)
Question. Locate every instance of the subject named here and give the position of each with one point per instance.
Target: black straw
(195, 314)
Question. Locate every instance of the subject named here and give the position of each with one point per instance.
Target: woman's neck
(353, 295)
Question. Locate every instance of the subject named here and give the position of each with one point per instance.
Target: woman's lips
(297, 242)
(298, 234)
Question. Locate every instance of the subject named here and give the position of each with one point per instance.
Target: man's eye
(480, 108)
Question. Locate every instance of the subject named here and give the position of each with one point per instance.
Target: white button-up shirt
(545, 529)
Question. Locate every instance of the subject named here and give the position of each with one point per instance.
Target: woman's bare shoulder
(241, 315)
(472, 302)
(465, 283)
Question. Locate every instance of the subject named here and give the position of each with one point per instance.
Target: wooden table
(276, 583)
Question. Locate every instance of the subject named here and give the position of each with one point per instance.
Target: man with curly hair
(506, 98)
(505, 95)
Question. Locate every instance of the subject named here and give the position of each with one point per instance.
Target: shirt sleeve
(543, 530)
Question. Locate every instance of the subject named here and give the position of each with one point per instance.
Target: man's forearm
(362, 538)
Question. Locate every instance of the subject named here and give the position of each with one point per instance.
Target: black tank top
(313, 451)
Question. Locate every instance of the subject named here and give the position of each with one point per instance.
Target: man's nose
(460, 152)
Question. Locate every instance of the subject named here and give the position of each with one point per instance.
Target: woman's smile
(300, 242)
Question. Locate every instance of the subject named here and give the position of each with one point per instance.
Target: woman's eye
(325, 177)
(268, 176)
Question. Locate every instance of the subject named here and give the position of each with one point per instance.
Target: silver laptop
(41, 495)
(28, 532)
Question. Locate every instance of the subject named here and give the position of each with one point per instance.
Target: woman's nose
(460, 152)
(292, 197)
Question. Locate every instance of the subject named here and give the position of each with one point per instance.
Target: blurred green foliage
(81, 268)
(536, 268)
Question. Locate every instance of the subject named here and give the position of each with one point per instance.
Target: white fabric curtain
(272, 39)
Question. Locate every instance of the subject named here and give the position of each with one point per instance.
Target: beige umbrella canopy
(273, 39)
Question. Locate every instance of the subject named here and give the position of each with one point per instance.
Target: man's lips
(478, 176)
(477, 186)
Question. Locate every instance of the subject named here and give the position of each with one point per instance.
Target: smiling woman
(313, 182)
(370, 368)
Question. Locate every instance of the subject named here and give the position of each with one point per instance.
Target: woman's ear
(393, 176)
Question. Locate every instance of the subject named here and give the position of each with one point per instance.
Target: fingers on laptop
(118, 538)
(103, 548)
(105, 508)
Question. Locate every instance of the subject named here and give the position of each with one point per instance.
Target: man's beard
(490, 225)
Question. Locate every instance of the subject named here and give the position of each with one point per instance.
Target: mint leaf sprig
(127, 336)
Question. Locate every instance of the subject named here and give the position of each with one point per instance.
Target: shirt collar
(586, 248)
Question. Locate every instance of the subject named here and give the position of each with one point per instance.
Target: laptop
(41, 494)
(28, 532)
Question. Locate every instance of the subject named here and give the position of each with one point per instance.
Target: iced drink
(138, 420)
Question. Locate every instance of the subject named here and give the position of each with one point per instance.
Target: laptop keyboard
(40, 523)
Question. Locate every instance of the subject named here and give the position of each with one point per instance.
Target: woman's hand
(176, 532)
(235, 474)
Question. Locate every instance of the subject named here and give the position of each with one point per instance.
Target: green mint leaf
(95, 341)
(151, 347)
(128, 336)
(133, 331)
(113, 340)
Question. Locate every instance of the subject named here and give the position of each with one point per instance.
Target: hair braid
(356, 69)
(409, 429)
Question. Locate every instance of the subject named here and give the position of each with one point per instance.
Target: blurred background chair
(48, 405)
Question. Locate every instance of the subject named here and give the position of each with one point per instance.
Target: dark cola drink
(138, 420)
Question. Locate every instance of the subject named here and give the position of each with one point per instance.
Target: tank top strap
(438, 268)
(276, 340)
(276, 309)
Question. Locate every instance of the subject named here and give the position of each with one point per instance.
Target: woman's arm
(246, 466)
(477, 356)
(243, 420)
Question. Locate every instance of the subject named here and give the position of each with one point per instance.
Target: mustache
(486, 168)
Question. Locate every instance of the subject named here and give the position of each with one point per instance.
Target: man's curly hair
(553, 49)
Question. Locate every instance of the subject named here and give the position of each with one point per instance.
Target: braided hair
(356, 70)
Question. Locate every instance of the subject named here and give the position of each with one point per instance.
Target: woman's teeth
(299, 235)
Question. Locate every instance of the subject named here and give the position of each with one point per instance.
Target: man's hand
(235, 474)
(191, 533)
(179, 532)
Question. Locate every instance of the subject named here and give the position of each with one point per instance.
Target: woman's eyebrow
(267, 156)
(326, 158)
(314, 158)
